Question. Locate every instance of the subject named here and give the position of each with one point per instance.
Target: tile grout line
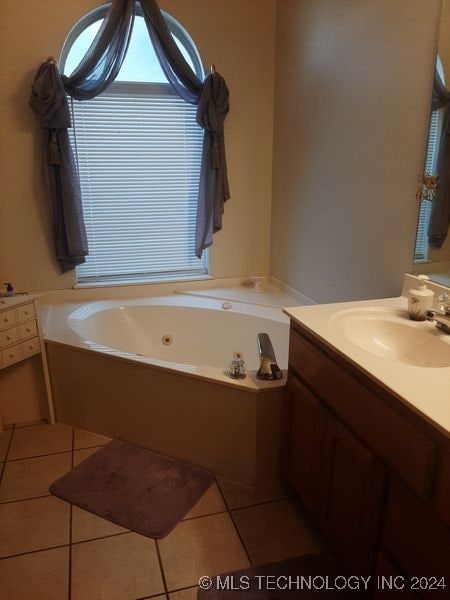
(69, 574)
(65, 545)
(7, 452)
(183, 589)
(234, 523)
(152, 596)
(163, 575)
(261, 503)
(24, 499)
(218, 512)
(52, 453)
(103, 537)
(33, 552)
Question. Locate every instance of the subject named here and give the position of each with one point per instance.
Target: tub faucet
(268, 368)
(441, 317)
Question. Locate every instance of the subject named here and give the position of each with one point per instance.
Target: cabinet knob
(28, 330)
(8, 337)
(11, 355)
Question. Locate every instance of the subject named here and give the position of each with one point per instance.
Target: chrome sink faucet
(441, 317)
(268, 368)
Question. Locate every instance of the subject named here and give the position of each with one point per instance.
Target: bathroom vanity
(368, 443)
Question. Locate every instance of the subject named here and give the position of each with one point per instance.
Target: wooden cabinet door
(353, 490)
(306, 429)
(418, 541)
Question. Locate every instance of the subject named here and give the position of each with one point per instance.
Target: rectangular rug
(134, 487)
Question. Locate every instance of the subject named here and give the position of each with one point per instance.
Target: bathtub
(153, 371)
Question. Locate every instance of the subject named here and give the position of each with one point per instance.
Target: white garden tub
(153, 371)
(196, 336)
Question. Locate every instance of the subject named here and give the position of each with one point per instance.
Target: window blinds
(138, 149)
(421, 249)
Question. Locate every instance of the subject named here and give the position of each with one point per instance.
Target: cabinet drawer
(416, 539)
(9, 337)
(28, 329)
(25, 312)
(11, 355)
(30, 347)
(7, 319)
(409, 451)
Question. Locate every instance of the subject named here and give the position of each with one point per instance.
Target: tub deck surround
(203, 335)
(112, 373)
(425, 390)
(270, 295)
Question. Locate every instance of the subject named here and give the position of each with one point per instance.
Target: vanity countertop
(425, 389)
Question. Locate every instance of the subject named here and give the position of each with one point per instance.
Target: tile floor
(50, 549)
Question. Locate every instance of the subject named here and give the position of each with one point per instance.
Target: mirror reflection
(432, 248)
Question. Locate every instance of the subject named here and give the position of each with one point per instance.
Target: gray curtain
(440, 211)
(98, 68)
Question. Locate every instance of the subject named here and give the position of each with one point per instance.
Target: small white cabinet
(19, 338)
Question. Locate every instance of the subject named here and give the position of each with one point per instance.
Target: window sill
(137, 282)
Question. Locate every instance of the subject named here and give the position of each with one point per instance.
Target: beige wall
(243, 50)
(353, 83)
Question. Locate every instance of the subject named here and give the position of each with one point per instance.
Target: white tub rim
(60, 314)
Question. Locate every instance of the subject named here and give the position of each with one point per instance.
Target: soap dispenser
(420, 299)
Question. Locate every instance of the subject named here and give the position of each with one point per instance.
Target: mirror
(427, 260)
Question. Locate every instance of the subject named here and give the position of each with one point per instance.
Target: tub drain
(167, 340)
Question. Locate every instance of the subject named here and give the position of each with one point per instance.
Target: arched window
(138, 150)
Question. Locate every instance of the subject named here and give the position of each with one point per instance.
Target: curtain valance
(96, 71)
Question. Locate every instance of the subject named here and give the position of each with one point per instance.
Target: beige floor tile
(33, 525)
(238, 496)
(205, 546)
(32, 477)
(277, 531)
(4, 442)
(41, 576)
(123, 567)
(39, 440)
(80, 455)
(211, 502)
(86, 526)
(189, 594)
(86, 439)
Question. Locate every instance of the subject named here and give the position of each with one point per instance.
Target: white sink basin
(392, 335)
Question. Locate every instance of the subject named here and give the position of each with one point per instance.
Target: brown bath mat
(307, 577)
(134, 487)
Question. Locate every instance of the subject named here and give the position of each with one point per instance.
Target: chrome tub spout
(268, 368)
